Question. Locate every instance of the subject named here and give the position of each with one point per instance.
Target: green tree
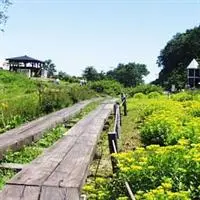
(66, 77)
(62, 75)
(50, 67)
(176, 56)
(3, 9)
(91, 74)
(130, 74)
(102, 75)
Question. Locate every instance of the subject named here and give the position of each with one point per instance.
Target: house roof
(193, 65)
(24, 59)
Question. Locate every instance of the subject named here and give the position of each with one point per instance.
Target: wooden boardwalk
(14, 139)
(60, 172)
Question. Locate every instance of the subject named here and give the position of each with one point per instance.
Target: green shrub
(192, 108)
(77, 93)
(158, 127)
(154, 95)
(139, 96)
(54, 98)
(5, 175)
(109, 87)
(182, 96)
(191, 130)
(145, 89)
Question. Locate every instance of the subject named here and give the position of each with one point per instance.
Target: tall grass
(23, 99)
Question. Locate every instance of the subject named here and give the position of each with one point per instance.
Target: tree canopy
(50, 67)
(176, 56)
(91, 74)
(130, 74)
(3, 9)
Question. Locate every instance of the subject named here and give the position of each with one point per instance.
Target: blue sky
(100, 33)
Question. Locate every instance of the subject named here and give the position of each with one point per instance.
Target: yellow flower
(151, 167)
(136, 167)
(4, 105)
(183, 142)
(196, 159)
(167, 186)
(143, 159)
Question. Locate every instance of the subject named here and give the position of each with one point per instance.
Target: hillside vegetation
(23, 99)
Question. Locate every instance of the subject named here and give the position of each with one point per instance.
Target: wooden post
(117, 119)
(118, 125)
(114, 109)
(125, 106)
(117, 122)
(120, 116)
(112, 141)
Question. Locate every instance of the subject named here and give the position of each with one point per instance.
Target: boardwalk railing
(113, 139)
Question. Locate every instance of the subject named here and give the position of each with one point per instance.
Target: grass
(101, 165)
(17, 93)
(15, 84)
(130, 138)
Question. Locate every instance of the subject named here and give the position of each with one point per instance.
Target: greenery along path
(166, 163)
(61, 170)
(30, 152)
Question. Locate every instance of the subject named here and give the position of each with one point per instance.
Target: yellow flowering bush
(182, 96)
(98, 189)
(147, 169)
(166, 121)
(161, 194)
(158, 127)
(167, 167)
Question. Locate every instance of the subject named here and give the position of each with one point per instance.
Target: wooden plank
(72, 171)
(12, 192)
(30, 193)
(16, 138)
(55, 193)
(38, 170)
(20, 192)
(14, 166)
(78, 129)
(81, 126)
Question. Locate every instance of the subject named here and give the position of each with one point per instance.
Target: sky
(75, 34)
